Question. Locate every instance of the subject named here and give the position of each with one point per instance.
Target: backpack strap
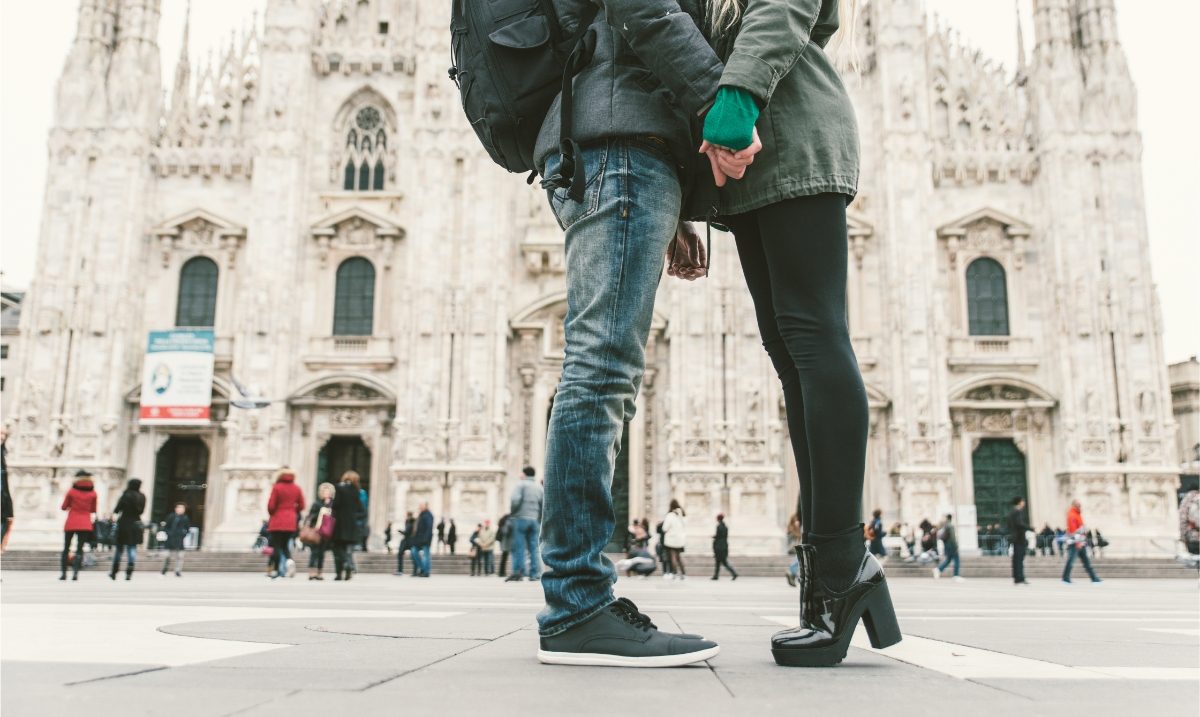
(570, 174)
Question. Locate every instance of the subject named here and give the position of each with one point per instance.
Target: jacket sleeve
(66, 501)
(672, 46)
(514, 503)
(773, 35)
(273, 501)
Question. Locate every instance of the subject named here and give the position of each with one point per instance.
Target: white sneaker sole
(601, 660)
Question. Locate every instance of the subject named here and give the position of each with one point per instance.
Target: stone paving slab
(455, 645)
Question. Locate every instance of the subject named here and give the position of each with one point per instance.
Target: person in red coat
(1077, 543)
(80, 504)
(284, 506)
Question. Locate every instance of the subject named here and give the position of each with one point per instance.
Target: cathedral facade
(314, 196)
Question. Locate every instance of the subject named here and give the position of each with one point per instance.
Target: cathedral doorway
(181, 476)
(341, 454)
(999, 476)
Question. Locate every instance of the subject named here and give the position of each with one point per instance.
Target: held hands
(728, 164)
(730, 137)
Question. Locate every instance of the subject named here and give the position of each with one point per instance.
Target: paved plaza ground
(239, 644)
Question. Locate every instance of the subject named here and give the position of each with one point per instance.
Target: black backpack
(510, 59)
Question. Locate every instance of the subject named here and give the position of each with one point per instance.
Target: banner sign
(177, 377)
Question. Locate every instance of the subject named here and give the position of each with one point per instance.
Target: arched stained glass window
(987, 298)
(366, 143)
(354, 298)
(197, 304)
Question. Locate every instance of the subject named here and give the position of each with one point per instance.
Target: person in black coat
(176, 528)
(1018, 525)
(6, 502)
(129, 529)
(349, 518)
(720, 546)
(422, 537)
(405, 542)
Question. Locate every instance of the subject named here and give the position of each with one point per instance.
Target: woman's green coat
(807, 125)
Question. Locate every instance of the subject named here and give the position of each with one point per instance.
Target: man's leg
(535, 562)
(518, 548)
(1071, 550)
(615, 241)
(1087, 564)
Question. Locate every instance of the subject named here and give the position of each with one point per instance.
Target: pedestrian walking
(1077, 543)
(1018, 525)
(176, 527)
(284, 507)
(949, 549)
(875, 534)
(7, 514)
(720, 547)
(795, 536)
(319, 520)
(451, 536)
(504, 537)
(405, 542)
(422, 538)
(485, 544)
(473, 542)
(525, 515)
(80, 504)
(349, 522)
(364, 529)
(675, 540)
(441, 535)
(130, 507)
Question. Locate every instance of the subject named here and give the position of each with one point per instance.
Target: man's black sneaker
(621, 636)
(513, 579)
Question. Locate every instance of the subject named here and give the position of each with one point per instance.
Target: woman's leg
(803, 244)
(754, 266)
(66, 552)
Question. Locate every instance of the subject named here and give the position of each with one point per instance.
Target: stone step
(750, 566)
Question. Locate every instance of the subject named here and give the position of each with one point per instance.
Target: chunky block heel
(828, 618)
(879, 618)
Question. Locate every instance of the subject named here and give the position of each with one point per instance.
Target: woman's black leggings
(794, 255)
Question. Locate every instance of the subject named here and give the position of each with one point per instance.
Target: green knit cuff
(730, 122)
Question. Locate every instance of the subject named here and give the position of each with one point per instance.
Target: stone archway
(998, 410)
(342, 422)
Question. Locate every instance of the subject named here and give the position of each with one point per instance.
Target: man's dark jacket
(423, 537)
(1017, 526)
(653, 73)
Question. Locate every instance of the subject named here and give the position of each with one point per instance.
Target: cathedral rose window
(366, 143)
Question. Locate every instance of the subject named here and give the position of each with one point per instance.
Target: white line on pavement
(129, 634)
(972, 663)
(1186, 631)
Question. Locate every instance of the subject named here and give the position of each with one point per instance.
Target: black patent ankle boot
(831, 605)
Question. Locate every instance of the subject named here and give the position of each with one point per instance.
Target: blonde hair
(352, 476)
(325, 488)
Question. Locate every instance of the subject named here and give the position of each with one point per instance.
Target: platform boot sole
(878, 616)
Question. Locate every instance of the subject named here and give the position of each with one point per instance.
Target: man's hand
(728, 164)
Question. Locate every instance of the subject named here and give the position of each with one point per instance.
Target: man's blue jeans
(950, 558)
(1081, 551)
(420, 558)
(615, 241)
(525, 535)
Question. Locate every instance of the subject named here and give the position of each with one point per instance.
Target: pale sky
(1159, 40)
